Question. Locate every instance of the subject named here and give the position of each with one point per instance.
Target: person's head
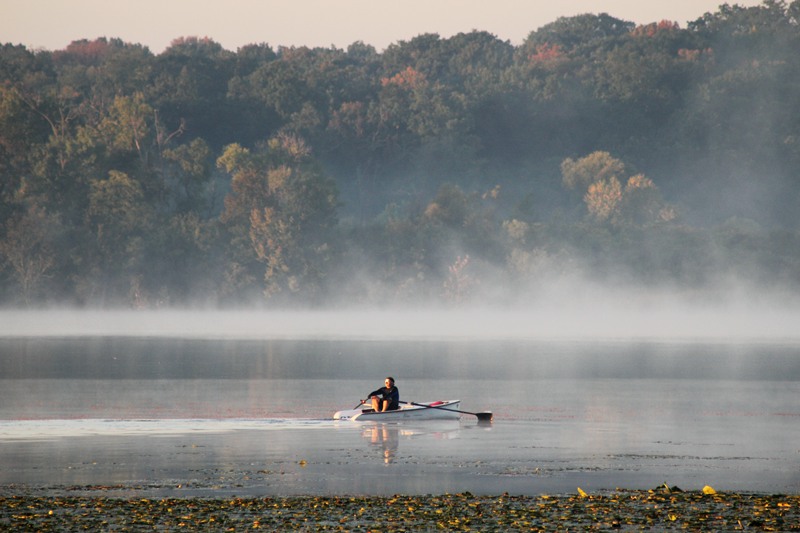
(389, 382)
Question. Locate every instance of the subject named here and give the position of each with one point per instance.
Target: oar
(483, 417)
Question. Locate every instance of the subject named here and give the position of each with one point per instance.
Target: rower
(387, 398)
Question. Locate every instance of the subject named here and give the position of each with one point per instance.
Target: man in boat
(387, 398)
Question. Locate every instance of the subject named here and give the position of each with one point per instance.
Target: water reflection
(385, 437)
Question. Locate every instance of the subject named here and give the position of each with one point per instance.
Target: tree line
(440, 170)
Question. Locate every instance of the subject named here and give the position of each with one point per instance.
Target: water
(211, 416)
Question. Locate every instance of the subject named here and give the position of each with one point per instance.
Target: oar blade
(484, 417)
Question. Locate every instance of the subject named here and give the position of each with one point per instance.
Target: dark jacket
(393, 395)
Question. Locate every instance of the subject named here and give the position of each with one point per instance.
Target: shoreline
(663, 509)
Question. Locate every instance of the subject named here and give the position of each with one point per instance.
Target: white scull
(439, 410)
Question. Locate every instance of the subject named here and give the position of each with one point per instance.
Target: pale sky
(53, 24)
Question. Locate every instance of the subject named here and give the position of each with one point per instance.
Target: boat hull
(421, 411)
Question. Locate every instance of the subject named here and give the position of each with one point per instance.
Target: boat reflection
(386, 436)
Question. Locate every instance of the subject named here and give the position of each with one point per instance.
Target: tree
(739, 32)
(28, 247)
(104, 68)
(597, 166)
(281, 86)
(186, 174)
(603, 199)
(17, 139)
(479, 59)
(21, 127)
(119, 219)
(570, 33)
(280, 211)
(185, 260)
(125, 129)
(190, 86)
(450, 207)
(639, 203)
(642, 204)
(116, 206)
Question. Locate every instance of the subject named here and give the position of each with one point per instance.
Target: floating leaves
(662, 509)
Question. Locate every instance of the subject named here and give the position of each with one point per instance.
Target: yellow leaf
(582, 493)
(709, 490)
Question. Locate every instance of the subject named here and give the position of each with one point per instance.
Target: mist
(585, 313)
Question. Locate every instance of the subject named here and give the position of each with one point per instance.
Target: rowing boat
(439, 410)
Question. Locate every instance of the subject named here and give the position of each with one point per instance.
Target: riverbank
(662, 509)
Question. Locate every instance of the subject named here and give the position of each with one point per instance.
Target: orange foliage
(85, 51)
(603, 198)
(649, 30)
(409, 77)
(546, 53)
(639, 182)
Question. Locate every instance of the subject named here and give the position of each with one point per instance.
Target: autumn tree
(281, 211)
(603, 199)
(598, 166)
(638, 203)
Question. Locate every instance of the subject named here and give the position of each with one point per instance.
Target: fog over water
(631, 317)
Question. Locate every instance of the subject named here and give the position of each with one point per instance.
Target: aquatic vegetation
(663, 509)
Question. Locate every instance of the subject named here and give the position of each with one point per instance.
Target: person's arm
(374, 393)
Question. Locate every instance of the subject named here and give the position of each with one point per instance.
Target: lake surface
(155, 415)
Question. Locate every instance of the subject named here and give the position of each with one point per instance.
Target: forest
(440, 171)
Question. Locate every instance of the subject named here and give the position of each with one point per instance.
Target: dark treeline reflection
(440, 170)
(175, 359)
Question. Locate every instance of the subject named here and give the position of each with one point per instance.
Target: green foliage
(29, 250)
(574, 33)
(115, 148)
(188, 171)
(280, 213)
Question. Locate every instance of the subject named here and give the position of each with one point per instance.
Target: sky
(53, 24)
